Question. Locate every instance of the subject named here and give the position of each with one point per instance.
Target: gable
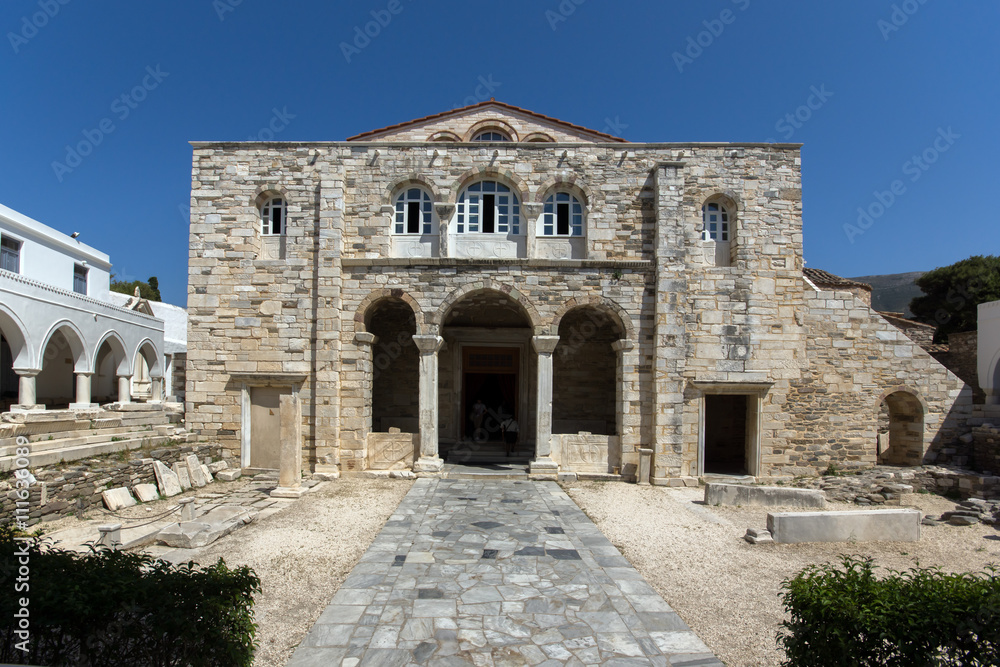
(467, 122)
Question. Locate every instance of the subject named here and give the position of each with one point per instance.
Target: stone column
(157, 390)
(83, 381)
(429, 460)
(26, 390)
(624, 421)
(290, 462)
(543, 464)
(124, 389)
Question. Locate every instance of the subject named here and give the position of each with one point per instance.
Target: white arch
(118, 350)
(152, 357)
(71, 332)
(18, 338)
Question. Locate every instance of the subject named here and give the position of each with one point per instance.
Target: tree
(952, 294)
(147, 290)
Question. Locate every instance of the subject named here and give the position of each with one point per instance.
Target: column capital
(27, 372)
(623, 345)
(365, 338)
(84, 373)
(428, 344)
(544, 344)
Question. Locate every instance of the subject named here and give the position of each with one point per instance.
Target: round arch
(118, 352)
(505, 176)
(902, 424)
(529, 310)
(265, 191)
(445, 135)
(906, 389)
(413, 181)
(18, 338)
(81, 357)
(567, 183)
(361, 315)
(147, 350)
(492, 124)
(616, 313)
(539, 137)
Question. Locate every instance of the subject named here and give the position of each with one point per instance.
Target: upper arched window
(273, 216)
(491, 135)
(562, 215)
(414, 212)
(488, 207)
(716, 222)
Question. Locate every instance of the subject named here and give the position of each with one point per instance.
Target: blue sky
(866, 85)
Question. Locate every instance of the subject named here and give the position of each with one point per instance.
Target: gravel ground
(303, 554)
(726, 589)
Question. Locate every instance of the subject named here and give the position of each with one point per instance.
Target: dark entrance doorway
(489, 375)
(726, 434)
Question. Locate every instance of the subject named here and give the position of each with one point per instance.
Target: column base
(27, 407)
(289, 492)
(428, 464)
(326, 472)
(543, 469)
(83, 406)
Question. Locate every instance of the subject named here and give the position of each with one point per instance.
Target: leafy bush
(849, 617)
(116, 609)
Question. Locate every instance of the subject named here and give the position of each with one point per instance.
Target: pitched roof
(822, 278)
(490, 102)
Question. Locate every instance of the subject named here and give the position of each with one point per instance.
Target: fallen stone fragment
(207, 529)
(962, 520)
(216, 466)
(196, 472)
(166, 480)
(146, 493)
(758, 536)
(116, 499)
(207, 473)
(183, 476)
(229, 475)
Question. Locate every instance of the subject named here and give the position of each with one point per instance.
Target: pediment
(466, 123)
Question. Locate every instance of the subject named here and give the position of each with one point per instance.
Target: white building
(63, 342)
(174, 345)
(989, 350)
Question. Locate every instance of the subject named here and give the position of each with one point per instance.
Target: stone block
(166, 480)
(216, 466)
(762, 496)
(116, 499)
(229, 475)
(891, 525)
(208, 528)
(183, 476)
(208, 474)
(146, 493)
(195, 471)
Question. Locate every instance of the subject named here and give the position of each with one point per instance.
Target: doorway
(727, 436)
(489, 375)
(265, 426)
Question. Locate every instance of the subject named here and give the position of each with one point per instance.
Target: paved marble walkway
(493, 573)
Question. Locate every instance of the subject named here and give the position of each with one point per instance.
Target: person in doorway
(478, 412)
(509, 429)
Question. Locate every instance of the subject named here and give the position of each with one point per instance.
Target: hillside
(893, 291)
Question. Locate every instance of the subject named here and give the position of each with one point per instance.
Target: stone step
(87, 450)
(42, 438)
(89, 438)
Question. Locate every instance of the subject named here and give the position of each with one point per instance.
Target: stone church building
(413, 289)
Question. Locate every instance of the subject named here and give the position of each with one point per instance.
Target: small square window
(10, 254)
(79, 279)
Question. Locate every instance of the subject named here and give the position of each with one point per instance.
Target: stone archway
(901, 429)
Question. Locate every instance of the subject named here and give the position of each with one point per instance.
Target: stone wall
(961, 359)
(986, 449)
(857, 359)
(63, 490)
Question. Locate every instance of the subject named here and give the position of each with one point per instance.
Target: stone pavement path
(493, 573)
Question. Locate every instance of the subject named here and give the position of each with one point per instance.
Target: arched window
(562, 216)
(716, 219)
(414, 212)
(488, 207)
(273, 216)
(491, 135)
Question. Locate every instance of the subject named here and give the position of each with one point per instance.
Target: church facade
(428, 290)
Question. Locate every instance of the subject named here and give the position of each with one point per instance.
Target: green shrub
(117, 609)
(849, 617)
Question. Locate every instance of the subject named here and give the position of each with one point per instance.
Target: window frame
(498, 137)
(724, 230)
(576, 213)
(506, 213)
(267, 216)
(401, 222)
(10, 247)
(80, 272)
